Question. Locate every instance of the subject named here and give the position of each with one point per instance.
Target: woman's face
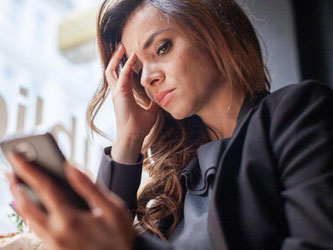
(176, 74)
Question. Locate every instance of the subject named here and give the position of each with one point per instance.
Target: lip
(163, 96)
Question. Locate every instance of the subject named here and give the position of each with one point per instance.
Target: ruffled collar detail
(198, 174)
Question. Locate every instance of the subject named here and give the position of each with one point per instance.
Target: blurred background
(49, 68)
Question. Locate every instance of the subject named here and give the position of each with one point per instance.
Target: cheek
(181, 65)
(150, 95)
(195, 67)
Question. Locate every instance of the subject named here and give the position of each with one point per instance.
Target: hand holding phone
(42, 152)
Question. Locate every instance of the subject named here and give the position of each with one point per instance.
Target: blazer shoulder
(305, 92)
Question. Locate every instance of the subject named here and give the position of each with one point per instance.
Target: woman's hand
(107, 226)
(133, 121)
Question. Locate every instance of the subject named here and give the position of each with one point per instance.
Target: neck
(221, 112)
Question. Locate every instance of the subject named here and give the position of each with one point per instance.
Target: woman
(231, 166)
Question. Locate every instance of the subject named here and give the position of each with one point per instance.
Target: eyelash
(165, 46)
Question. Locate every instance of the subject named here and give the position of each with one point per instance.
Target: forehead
(142, 23)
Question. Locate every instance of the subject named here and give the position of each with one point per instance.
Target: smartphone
(43, 152)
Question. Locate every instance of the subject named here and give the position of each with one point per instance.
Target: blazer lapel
(225, 180)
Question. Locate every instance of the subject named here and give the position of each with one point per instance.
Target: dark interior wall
(314, 32)
(298, 35)
(274, 21)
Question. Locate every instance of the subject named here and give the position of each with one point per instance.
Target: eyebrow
(152, 37)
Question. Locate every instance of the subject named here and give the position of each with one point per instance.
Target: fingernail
(133, 55)
(14, 157)
(97, 212)
(11, 157)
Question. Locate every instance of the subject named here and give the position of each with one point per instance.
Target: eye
(164, 48)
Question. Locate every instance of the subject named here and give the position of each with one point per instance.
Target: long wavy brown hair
(221, 28)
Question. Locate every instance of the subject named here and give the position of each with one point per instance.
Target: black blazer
(274, 185)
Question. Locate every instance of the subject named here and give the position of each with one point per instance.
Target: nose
(151, 76)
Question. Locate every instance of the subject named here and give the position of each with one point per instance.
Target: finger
(107, 206)
(126, 75)
(115, 60)
(26, 208)
(107, 202)
(46, 188)
(111, 71)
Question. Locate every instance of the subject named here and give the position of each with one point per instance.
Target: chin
(180, 115)
(181, 110)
